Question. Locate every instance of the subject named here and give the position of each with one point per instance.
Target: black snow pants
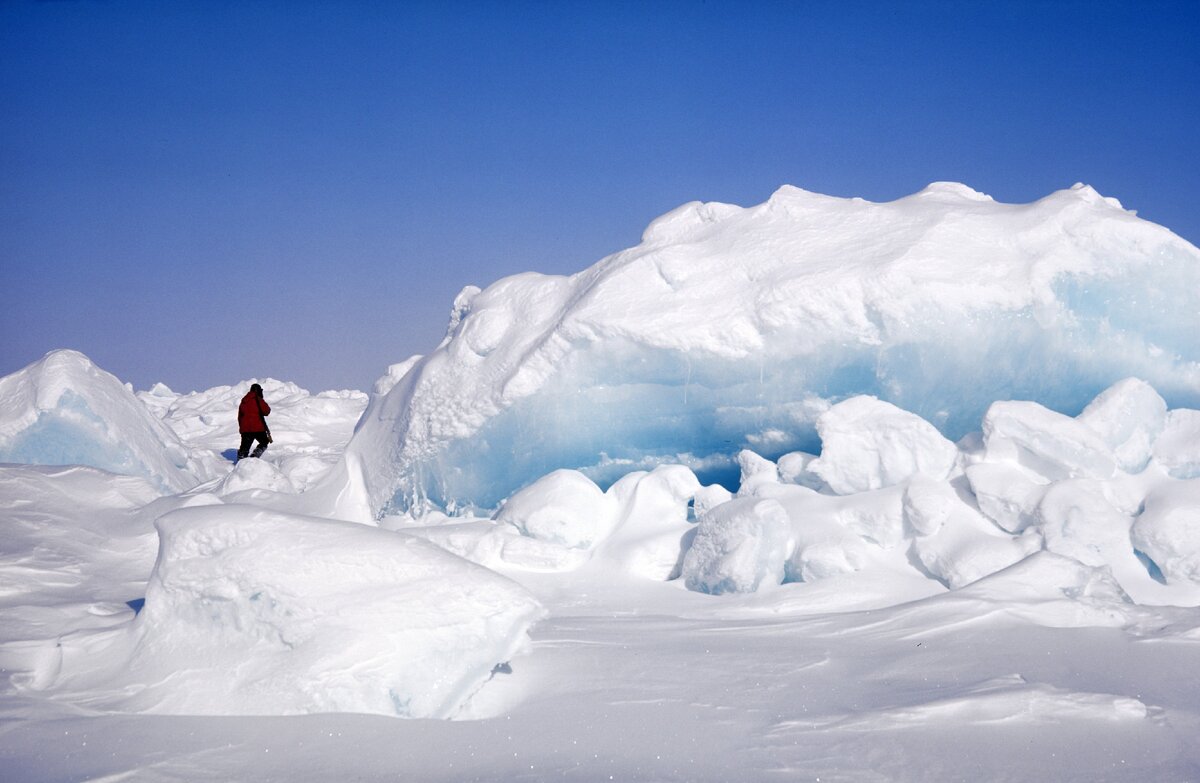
(249, 438)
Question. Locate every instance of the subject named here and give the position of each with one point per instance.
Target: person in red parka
(252, 422)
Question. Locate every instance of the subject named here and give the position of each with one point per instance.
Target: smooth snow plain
(750, 562)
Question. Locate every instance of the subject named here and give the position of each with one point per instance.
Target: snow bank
(256, 612)
(64, 410)
(731, 328)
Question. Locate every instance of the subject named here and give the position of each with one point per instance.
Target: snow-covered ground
(920, 563)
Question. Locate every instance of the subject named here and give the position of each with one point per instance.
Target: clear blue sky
(200, 193)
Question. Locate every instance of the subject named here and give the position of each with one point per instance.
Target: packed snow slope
(734, 328)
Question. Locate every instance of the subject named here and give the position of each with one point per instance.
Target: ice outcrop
(64, 410)
(731, 328)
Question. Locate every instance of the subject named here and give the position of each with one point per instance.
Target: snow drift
(731, 328)
(253, 612)
(64, 410)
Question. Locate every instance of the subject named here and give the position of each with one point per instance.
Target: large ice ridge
(731, 328)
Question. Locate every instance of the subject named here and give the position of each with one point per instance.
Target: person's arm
(263, 407)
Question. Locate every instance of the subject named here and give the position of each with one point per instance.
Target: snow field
(712, 509)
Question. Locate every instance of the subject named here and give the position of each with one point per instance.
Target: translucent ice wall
(731, 328)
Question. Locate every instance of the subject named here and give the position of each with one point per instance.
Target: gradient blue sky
(199, 193)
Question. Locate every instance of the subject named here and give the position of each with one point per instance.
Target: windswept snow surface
(731, 328)
(865, 596)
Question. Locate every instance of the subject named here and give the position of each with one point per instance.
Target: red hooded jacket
(251, 412)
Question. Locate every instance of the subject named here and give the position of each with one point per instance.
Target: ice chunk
(1168, 531)
(1078, 521)
(825, 549)
(564, 507)
(967, 547)
(250, 612)
(755, 472)
(868, 444)
(1128, 415)
(709, 497)
(876, 516)
(928, 504)
(1048, 443)
(794, 468)
(1008, 494)
(1178, 447)
(1090, 521)
(740, 546)
(64, 410)
(823, 530)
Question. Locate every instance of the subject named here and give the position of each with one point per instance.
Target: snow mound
(64, 410)
(564, 507)
(731, 328)
(255, 612)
